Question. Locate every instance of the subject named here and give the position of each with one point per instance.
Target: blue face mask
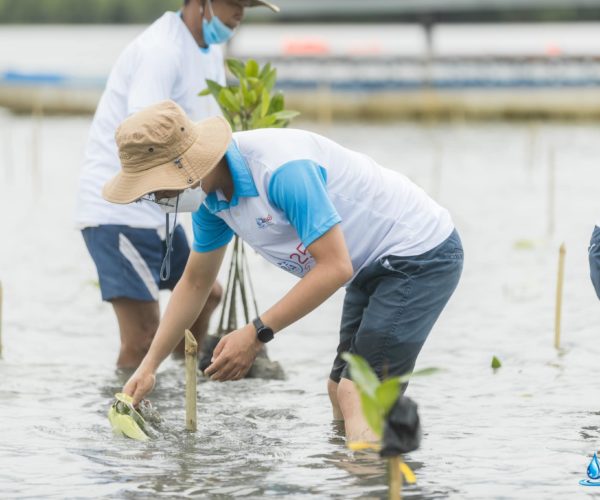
(215, 31)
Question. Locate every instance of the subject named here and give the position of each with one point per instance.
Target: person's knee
(347, 396)
(215, 296)
(137, 337)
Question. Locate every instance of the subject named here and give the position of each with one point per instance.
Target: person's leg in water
(389, 310)
(139, 320)
(128, 261)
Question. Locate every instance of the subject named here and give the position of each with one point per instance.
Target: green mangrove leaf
(237, 68)
(372, 412)
(250, 99)
(387, 393)
(419, 373)
(286, 115)
(277, 103)
(266, 69)
(266, 122)
(251, 68)
(228, 101)
(362, 374)
(265, 103)
(213, 88)
(270, 79)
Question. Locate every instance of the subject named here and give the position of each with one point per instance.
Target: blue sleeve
(210, 232)
(299, 189)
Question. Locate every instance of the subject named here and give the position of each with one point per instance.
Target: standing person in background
(171, 59)
(594, 256)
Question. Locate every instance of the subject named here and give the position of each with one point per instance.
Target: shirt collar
(243, 183)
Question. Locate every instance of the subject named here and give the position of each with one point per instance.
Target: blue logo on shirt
(593, 472)
(263, 222)
(291, 267)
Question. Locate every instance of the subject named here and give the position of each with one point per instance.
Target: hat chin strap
(165, 268)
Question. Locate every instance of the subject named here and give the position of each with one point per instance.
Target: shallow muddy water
(527, 430)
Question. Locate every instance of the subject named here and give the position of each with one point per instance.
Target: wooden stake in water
(191, 364)
(559, 293)
(395, 487)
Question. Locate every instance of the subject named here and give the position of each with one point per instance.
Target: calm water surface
(526, 431)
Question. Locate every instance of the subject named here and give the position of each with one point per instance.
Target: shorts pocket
(403, 266)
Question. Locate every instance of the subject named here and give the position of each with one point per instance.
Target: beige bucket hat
(161, 149)
(263, 3)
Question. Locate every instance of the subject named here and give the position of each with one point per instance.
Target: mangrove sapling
(496, 363)
(559, 294)
(247, 105)
(251, 104)
(390, 415)
(191, 394)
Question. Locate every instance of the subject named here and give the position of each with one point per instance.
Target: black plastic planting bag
(262, 367)
(208, 346)
(402, 429)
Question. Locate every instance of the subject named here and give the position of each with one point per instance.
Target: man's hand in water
(140, 384)
(234, 355)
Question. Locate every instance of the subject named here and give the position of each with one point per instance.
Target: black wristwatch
(263, 333)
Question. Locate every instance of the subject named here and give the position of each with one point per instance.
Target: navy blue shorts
(392, 305)
(594, 256)
(128, 260)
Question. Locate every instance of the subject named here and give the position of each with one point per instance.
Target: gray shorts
(391, 306)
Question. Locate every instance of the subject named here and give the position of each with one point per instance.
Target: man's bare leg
(332, 388)
(138, 321)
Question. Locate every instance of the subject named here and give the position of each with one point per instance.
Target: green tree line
(84, 11)
(145, 11)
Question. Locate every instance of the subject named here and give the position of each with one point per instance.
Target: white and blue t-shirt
(163, 62)
(292, 186)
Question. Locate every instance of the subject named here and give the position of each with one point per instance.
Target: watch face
(265, 334)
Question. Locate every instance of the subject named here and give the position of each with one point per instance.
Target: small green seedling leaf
(362, 374)
(252, 104)
(419, 373)
(387, 393)
(372, 413)
(496, 363)
(251, 68)
(237, 68)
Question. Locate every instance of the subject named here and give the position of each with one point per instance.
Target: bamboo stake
(395, 487)
(1, 318)
(551, 191)
(559, 294)
(191, 363)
